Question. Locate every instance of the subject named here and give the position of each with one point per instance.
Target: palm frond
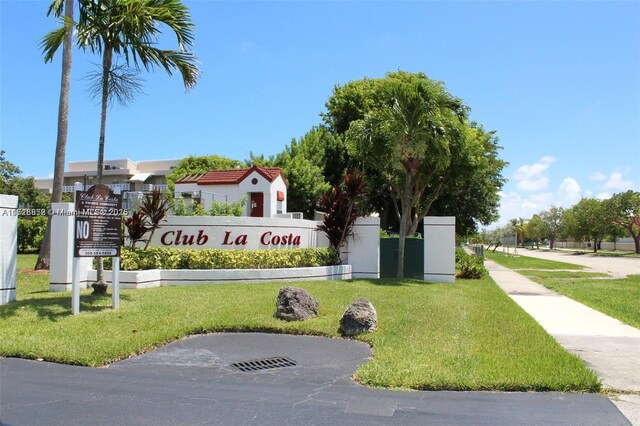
(54, 39)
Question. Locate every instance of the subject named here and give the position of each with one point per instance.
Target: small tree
(340, 205)
(136, 227)
(553, 223)
(154, 209)
(625, 208)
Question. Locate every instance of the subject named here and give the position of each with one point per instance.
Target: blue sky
(558, 81)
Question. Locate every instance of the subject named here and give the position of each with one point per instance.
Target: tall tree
(625, 209)
(467, 189)
(62, 35)
(129, 29)
(408, 139)
(553, 223)
(589, 219)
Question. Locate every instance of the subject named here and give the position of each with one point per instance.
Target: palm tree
(63, 35)
(410, 141)
(129, 30)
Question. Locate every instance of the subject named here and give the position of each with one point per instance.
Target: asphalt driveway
(192, 381)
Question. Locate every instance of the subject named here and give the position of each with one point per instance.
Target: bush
(133, 259)
(468, 266)
(31, 233)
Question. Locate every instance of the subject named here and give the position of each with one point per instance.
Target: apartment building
(124, 175)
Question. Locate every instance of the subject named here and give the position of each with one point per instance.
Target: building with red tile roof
(263, 188)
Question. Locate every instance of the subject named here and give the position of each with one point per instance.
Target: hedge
(134, 259)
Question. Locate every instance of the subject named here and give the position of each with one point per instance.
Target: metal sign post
(97, 233)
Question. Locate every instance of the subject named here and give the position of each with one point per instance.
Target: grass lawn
(525, 262)
(467, 336)
(618, 298)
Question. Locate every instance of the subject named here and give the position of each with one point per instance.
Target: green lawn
(522, 261)
(467, 336)
(618, 298)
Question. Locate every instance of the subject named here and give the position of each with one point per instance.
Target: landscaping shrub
(30, 233)
(468, 266)
(133, 259)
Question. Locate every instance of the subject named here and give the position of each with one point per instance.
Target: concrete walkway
(606, 345)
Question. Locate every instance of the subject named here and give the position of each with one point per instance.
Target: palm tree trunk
(404, 223)
(100, 286)
(61, 141)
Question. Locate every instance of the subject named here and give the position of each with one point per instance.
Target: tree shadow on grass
(56, 308)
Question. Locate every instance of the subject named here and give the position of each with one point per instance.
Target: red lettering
(226, 239)
(202, 238)
(166, 234)
(265, 238)
(296, 240)
(187, 240)
(241, 240)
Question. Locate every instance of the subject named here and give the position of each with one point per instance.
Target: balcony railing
(122, 186)
(152, 187)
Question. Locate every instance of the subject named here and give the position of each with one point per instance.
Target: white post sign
(97, 233)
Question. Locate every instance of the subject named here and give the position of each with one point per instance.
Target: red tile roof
(232, 176)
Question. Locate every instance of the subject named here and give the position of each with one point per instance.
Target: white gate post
(8, 247)
(440, 249)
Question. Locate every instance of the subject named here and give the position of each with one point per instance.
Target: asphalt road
(192, 382)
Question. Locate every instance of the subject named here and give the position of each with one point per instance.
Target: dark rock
(359, 317)
(295, 304)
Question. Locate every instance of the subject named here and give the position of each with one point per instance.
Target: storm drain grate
(264, 364)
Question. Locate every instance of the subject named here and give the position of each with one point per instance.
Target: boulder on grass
(359, 317)
(295, 304)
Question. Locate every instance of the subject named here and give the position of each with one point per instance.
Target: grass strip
(618, 298)
(467, 336)
(560, 275)
(526, 262)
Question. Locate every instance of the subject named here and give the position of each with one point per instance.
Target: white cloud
(599, 177)
(568, 192)
(514, 205)
(531, 177)
(617, 182)
(603, 196)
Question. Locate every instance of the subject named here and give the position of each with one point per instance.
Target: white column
(61, 258)
(8, 247)
(440, 249)
(363, 249)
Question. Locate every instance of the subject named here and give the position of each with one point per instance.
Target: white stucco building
(264, 188)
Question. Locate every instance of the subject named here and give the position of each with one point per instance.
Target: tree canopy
(460, 174)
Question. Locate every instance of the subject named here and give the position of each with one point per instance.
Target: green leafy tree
(553, 223)
(408, 140)
(625, 211)
(468, 188)
(8, 171)
(536, 230)
(589, 220)
(199, 164)
(304, 166)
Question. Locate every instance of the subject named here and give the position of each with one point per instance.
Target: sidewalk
(607, 346)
